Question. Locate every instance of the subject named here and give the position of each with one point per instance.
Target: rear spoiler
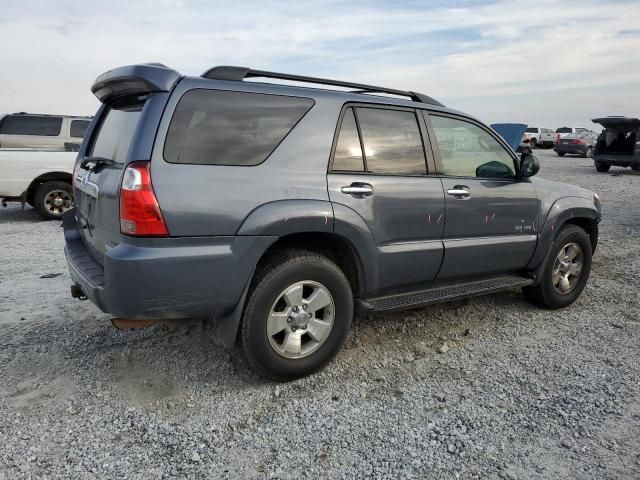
(134, 80)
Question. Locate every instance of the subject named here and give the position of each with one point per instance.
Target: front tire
(297, 316)
(602, 167)
(52, 199)
(561, 154)
(566, 272)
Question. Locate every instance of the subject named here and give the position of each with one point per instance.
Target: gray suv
(277, 209)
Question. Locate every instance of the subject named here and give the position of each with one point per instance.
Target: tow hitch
(76, 292)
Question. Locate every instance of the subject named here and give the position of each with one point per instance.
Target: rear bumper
(169, 278)
(620, 160)
(571, 149)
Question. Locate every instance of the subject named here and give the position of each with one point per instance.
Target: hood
(618, 122)
(511, 132)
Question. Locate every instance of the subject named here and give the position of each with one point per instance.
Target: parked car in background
(540, 137)
(618, 144)
(42, 132)
(564, 131)
(275, 209)
(40, 178)
(576, 144)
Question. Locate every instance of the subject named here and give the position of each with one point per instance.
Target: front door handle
(358, 189)
(460, 192)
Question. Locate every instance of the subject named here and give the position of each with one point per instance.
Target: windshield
(563, 130)
(116, 130)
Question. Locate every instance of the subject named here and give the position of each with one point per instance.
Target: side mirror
(529, 165)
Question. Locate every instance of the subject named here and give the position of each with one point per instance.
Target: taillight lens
(577, 142)
(140, 214)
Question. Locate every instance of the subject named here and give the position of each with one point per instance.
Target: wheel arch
(46, 177)
(567, 210)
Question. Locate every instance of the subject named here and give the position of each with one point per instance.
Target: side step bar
(444, 293)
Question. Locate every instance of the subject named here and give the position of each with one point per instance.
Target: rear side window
(116, 130)
(78, 128)
(215, 127)
(31, 125)
(348, 156)
(392, 141)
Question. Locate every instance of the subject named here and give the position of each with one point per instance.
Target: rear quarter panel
(209, 200)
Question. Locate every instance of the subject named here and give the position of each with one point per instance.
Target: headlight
(596, 200)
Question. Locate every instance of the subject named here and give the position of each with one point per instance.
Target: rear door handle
(358, 189)
(459, 192)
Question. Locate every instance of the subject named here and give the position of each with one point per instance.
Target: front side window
(392, 141)
(348, 155)
(469, 151)
(31, 125)
(216, 127)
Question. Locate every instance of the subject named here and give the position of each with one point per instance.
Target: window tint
(392, 141)
(116, 130)
(31, 125)
(215, 127)
(467, 150)
(78, 128)
(348, 155)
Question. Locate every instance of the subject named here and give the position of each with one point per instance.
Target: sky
(544, 63)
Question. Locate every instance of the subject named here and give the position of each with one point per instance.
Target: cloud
(483, 56)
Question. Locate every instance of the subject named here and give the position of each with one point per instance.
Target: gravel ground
(518, 393)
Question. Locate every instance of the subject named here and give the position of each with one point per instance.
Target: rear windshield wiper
(94, 163)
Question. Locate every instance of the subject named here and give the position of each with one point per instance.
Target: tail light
(577, 141)
(140, 214)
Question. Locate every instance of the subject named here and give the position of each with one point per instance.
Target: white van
(42, 132)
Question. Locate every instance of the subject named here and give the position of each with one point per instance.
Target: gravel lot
(520, 393)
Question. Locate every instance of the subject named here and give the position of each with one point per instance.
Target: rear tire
(53, 198)
(602, 167)
(635, 167)
(533, 142)
(562, 282)
(561, 154)
(278, 340)
(588, 153)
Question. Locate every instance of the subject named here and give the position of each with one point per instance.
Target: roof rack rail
(240, 73)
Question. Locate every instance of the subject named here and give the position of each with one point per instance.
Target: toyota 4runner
(276, 209)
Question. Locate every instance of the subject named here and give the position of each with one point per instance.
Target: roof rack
(240, 73)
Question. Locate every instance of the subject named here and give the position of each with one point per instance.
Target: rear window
(31, 125)
(576, 135)
(78, 128)
(116, 130)
(215, 127)
(564, 130)
(532, 130)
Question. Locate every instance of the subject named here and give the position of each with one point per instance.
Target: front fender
(562, 210)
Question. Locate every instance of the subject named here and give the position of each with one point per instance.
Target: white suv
(42, 132)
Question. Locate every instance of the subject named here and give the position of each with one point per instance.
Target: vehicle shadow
(13, 213)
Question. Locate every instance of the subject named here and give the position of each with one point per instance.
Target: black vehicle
(576, 144)
(275, 209)
(618, 144)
